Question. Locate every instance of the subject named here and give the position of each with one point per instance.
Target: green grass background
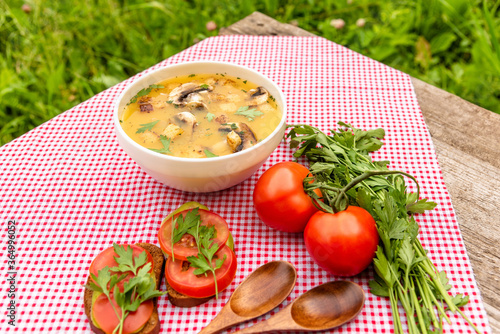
(56, 54)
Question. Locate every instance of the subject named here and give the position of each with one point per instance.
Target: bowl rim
(143, 76)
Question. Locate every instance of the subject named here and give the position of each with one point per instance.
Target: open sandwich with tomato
(122, 290)
(200, 257)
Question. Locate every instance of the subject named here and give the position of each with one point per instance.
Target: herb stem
(371, 190)
(114, 309)
(371, 173)
(122, 321)
(197, 239)
(424, 294)
(430, 269)
(469, 322)
(215, 280)
(172, 238)
(408, 309)
(434, 299)
(398, 327)
(359, 155)
(420, 318)
(342, 193)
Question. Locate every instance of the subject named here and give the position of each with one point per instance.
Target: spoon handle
(280, 321)
(225, 319)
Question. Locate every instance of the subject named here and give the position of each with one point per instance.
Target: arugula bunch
(136, 291)
(342, 168)
(204, 237)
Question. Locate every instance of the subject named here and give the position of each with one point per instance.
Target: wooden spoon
(259, 293)
(324, 307)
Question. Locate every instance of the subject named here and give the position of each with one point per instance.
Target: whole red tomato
(343, 243)
(280, 200)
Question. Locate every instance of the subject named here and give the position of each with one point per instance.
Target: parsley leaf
(182, 225)
(207, 249)
(210, 116)
(147, 126)
(204, 86)
(143, 92)
(250, 114)
(460, 300)
(126, 260)
(200, 264)
(220, 262)
(420, 206)
(204, 236)
(137, 290)
(210, 154)
(101, 281)
(165, 141)
(406, 255)
(378, 288)
(232, 125)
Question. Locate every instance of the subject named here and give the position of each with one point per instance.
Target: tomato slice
(187, 245)
(106, 258)
(105, 317)
(184, 281)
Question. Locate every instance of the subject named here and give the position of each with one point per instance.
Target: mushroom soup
(199, 116)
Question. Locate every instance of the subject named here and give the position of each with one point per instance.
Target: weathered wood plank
(463, 125)
(465, 137)
(262, 25)
(473, 185)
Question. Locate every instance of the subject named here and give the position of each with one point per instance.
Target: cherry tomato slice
(187, 245)
(182, 279)
(105, 317)
(106, 258)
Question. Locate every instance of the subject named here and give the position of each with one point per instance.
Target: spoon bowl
(328, 305)
(324, 307)
(264, 289)
(274, 280)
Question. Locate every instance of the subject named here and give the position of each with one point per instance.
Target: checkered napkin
(72, 191)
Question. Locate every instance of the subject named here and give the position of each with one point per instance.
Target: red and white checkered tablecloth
(72, 191)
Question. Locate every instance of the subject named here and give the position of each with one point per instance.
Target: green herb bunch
(204, 237)
(342, 168)
(136, 291)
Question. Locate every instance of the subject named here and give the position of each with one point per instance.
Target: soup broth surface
(201, 115)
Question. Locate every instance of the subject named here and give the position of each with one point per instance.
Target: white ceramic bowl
(206, 174)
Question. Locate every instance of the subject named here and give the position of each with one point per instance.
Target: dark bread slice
(180, 300)
(153, 324)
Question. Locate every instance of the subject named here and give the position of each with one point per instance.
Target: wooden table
(466, 139)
